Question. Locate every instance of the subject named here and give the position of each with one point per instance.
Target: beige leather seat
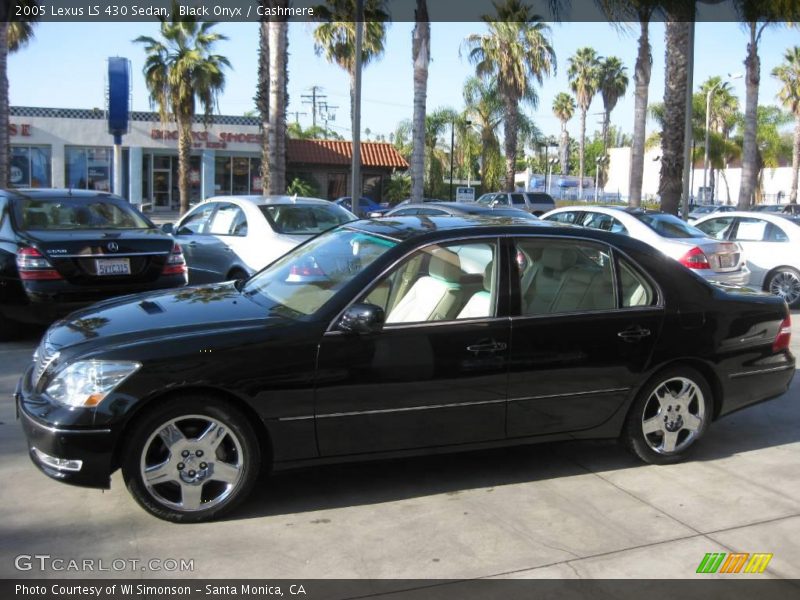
(481, 303)
(433, 297)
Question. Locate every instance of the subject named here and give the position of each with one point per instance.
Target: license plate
(113, 266)
(725, 261)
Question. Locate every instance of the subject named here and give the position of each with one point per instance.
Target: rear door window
(518, 199)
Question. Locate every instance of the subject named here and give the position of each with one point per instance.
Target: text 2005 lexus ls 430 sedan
(394, 337)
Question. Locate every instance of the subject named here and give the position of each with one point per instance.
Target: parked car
(701, 210)
(455, 208)
(768, 208)
(232, 237)
(536, 203)
(64, 249)
(365, 206)
(791, 209)
(192, 392)
(772, 245)
(709, 258)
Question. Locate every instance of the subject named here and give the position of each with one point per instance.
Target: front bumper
(92, 448)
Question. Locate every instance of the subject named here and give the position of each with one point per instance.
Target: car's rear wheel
(785, 283)
(192, 459)
(671, 413)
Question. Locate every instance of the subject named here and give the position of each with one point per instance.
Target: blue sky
(65, 67)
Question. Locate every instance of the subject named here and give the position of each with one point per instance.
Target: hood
(161, 315)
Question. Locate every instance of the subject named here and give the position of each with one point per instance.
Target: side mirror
(362, 319)
(168, 228)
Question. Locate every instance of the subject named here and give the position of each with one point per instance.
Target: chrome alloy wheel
(786, 284)
(673, 415)
(192, 463)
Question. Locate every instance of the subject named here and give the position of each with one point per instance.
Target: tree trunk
(563, 151)
(604, 132)
(184, 155)
(262, 102)
(723, 174)
(672, 140)
(421, 43)
(277, 106)
(749, 146)
(795, 160)
(4, 105)
(581, 149)
(644, 65)
(510, 131)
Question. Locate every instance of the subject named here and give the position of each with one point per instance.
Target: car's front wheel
(191, 460)
(785, 283)
(671, 413)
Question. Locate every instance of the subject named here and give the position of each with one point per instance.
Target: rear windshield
(670, 226)
(77, 213)
(298, 219)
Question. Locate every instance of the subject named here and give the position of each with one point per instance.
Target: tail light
(784, 335)
(306, 269)
(175, 265)
(33, 266)
(695, 259)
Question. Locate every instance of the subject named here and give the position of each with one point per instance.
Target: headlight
(87, 382)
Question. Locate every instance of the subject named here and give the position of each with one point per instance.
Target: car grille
(44, 358)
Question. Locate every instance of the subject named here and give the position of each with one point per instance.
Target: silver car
(714, 260)
(232, 237)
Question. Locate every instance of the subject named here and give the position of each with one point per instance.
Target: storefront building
(65, 147)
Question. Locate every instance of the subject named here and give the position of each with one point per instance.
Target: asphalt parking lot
(577, 509)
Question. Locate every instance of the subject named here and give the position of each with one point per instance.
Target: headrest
(559, 259)
(445, 265)
(488, 276)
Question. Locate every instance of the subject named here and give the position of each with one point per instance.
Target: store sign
(204, 139)
(24, 129)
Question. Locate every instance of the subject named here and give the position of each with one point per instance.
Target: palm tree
(484, 108)
(262, 98)
(336, 37)
(421, 56)
(278, 102)
(788, 73)
(564, 109)
(436, 124)
(613, 82)
(516, 51)
(13, 36)
(584, 78)
(180, 71)
(756, 15)
(722, 118)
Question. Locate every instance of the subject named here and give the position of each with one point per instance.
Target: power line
(314, 98)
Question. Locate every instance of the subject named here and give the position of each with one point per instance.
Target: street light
(708, 125)
(452, 146)
(552, 162)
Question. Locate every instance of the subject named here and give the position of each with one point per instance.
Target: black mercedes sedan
(64, 249)
(396, 337)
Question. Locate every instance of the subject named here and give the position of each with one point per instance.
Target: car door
(206, 257)
(765, 246)
(229, 226)
(436, 374)
(586, 322)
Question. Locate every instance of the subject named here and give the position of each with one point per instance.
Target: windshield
(701, 210)
(77, 213)
(670, 226)
(305, 279)
(305, 219)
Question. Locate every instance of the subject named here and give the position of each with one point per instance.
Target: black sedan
(395, 337)
(434, 208)
(64, 249)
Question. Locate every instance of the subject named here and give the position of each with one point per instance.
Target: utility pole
(297, 114)
(314, 98)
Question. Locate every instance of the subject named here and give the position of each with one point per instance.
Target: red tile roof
(335, 152)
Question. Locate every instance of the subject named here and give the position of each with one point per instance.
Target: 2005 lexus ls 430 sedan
(394, 337)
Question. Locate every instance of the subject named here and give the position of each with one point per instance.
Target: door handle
(487, 347)
(634, 334)
(192, 243)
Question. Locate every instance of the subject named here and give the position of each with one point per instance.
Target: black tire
(681, 419)
(185, 474)
(785, 283)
